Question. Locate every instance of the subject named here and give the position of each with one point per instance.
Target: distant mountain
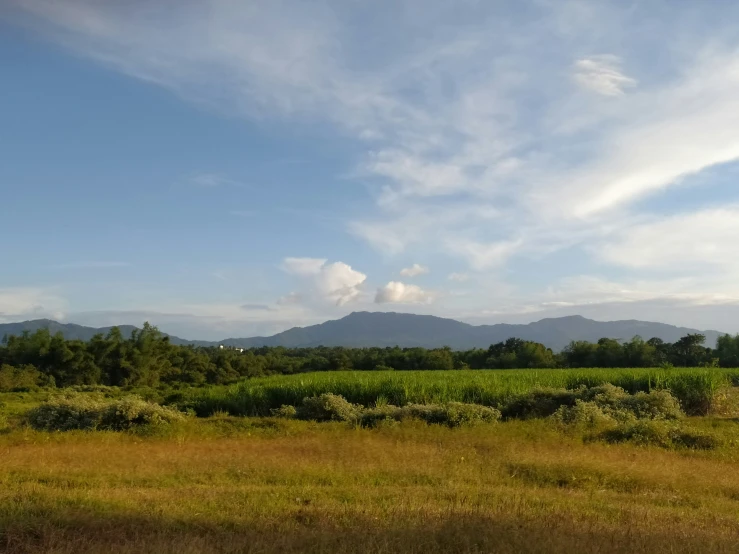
(72, 331)
(391, 329)
(395, 329)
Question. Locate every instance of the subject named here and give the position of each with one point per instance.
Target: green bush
(66, 414)
(453, 414)
(458, 414)
(85, 412)
(328, 407)
(284, 411)
(372, 417)
(583, 413)
(133, 411)
(594, 404)
(658, 404)
(660, 433)
(19, 378)
(540, 402)
(616, 402)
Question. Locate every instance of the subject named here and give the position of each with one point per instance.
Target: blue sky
(225, 168)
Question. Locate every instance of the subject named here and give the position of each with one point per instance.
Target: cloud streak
(602, 74)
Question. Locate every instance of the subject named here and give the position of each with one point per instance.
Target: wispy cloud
(91, 264)
(602, 74)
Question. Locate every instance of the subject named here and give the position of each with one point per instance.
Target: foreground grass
(251, 485)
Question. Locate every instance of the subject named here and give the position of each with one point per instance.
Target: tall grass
(696, 388)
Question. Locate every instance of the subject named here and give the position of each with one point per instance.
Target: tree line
(147, 358)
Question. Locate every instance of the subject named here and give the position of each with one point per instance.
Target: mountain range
(362, 329)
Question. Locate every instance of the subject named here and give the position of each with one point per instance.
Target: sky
(228, 168)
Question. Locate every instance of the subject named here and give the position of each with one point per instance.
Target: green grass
(696, 388)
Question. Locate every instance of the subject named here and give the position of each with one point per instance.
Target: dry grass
(230, 485)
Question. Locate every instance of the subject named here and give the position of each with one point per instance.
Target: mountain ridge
(365, 329)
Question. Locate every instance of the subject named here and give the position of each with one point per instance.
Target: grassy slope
(242, 485)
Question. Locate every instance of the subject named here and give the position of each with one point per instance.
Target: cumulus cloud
(396, 292)
(340, 283)
(336, 282)
(602, 74)
(414, 271)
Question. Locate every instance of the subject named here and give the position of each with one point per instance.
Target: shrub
(371, 417)
(19, 378)
(453, 414)
(87, 413)
(540, 402)
(658, 404)
(284, 411)
(133, 411)
(469, 414)
(328, 407)
(66, 413)
(660, 433)
(617, 403)
(582, 413)
(588, 405)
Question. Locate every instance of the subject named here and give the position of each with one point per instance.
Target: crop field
(695, 387)
(378, 462)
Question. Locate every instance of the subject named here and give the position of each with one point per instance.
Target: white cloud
(336, 282)
(484, 255)
(396, 292)
(689, 241)
(18, 303)
(413, 225)
(303, 266)
(340, 283)
(414, 271)
(458, 277)
(602, 74)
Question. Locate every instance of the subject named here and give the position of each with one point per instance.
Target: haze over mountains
(360, 329)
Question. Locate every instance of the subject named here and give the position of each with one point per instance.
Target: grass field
(236, 485)
(227, 484)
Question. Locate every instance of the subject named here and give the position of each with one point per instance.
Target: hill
(72, 331)
(390, 329)
(360, 329)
